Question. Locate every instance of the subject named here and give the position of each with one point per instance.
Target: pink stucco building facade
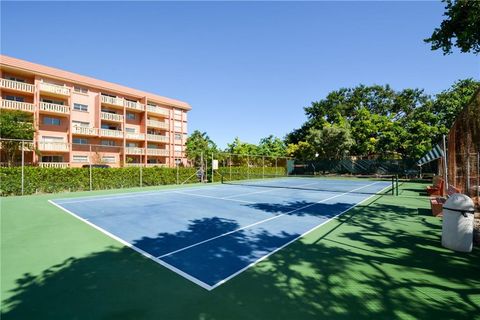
(80, 120)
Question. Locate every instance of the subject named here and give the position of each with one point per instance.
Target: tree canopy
(14, 126)
(461, 28)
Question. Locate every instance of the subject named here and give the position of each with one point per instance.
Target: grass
(380, 260)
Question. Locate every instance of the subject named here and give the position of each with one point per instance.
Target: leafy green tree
(272, 146)
(302, 150)
(199, 145)
(331, 142)
(242, 148)
(461, 28)
(16, 125)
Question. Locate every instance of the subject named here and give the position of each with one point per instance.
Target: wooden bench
(436, 203)
(438, 187)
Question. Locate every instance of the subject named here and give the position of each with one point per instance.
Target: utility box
(457, 226)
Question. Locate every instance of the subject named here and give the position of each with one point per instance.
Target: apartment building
(81, 120)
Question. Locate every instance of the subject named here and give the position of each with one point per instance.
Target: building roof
(54, 73)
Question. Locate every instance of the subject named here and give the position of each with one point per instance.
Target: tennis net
(382, 185)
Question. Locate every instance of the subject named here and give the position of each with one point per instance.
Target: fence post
(248, 166)
(263, 167)
(478, 177)
(212, 167)
(276, 169)
(23, 166)
(90, 164)
(230, 165)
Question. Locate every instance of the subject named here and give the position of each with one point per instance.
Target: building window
(109, 127)
(80, 90)
(178, 136)
(178, 148)
(81, 124)
(152, 104)
(131, 145)
(52, 158)
(15, 79)
(109, 143)
(131, 116)
(152, 146)
(108, 95)
(51, 139)
(15, 98)
(80, 107)
(78, 158)
(108, 159)
(131, 130)
(80, 141)
(178, 126)
(177, 112)
(51, 121)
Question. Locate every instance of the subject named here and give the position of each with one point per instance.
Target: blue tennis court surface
(210, 233)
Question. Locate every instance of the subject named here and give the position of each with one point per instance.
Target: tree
(272, 146)
(331, 142)
(461, 28)
(199, 144)
(16, 125)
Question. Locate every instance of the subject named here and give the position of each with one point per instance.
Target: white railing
(53, 88)
(157, 124)
(157, 137)
(111, 116)
(17, 85)
(85, 131)
(134, 150)
(133, 105)
(112, 100)
(158, 110)
(134, 164)
(136, 136)
(157, 152)
(53, 107)
(54, 164)
(111, 133)
(53, 146)
(17, 105)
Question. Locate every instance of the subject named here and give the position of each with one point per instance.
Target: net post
(393, 185)
(396, 185)
(23, 166)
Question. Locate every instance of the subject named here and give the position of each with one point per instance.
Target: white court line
(144, 253)
(264, 191)
(212, 197)
(261, 221)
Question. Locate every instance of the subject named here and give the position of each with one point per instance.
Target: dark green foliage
(49, 180)
(462, 24)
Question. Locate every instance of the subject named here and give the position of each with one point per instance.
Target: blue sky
(247, 68)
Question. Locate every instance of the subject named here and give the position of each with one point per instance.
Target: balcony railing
(134, 150)
(54, 164)
(53, 146)
(17, 105)
(134, 164)
(157, 124)
(54, 108)
(158, 110)
(87, 131)
(111, 116)
(112, 101)
(156, 165)
(53, 88)
(111, 133)
(157, 152)
(133, 105)
(135, 136)
(17, 85)
(157, 137)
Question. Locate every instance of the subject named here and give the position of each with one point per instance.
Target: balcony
(133, 105)
(53, 146)
(17, 105)
(134, 150)
(157, 137)
(158, 110)
(17, 86)
(157, 124)
(54, 164)
(54, 108)
(112, 101)
(134, 165)
(162, 165)
(157, 152)
(135, 136)
(111, 116)
(54, 89)
(85, 131)
(111, 133)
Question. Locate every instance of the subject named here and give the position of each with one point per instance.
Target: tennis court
(209, 234)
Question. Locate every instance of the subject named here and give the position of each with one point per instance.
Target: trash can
(457, 226)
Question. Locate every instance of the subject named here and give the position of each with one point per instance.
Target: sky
(247, 68)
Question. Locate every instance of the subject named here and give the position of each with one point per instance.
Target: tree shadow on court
(378, 261)
(303, 208)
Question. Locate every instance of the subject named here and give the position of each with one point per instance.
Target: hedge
(51, 180)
